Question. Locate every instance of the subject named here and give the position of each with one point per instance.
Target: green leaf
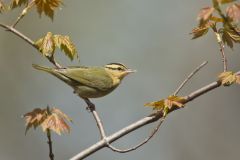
(201, 30)
(66, 45)
(46, 45)
(225, 1)
(47, 7)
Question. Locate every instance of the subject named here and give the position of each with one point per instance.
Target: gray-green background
(151, 36)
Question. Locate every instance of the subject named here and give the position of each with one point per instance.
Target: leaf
(18, 3)
(53, 119)
(201, 30)
(205, 13)
(227, 78)
(238, 78)
(2, 7)
(165, 104)
(35, 118)
(47, 7)
(61, 114)
(46, 45)
(233, 12)
(56, 123)
(66, 45)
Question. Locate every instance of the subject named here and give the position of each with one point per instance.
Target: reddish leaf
(233, 12)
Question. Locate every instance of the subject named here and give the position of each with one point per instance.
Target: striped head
(118, 70)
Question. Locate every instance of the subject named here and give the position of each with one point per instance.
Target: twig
(142, 122)
(141, 143)
(92, 109)
(51, 155)
(29, 41)
(221, 45)
(24, 12)
(189, 77)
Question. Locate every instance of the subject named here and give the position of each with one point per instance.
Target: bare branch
(51, 155)
(142, 122)
(140, 144)
(221, 45)
(189, 77)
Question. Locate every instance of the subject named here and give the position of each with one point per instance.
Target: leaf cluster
(164, 105)
(47, 7)
(47, 44)
(52, 119)
(228, 78)
(210, 16)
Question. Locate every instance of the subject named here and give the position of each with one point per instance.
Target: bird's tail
(46, 69)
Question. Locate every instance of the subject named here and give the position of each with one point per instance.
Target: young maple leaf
(56, 122)
(233, 12)
(165, 104)
(2, 7)
(238, 78)
(53, 119)
(18, 3)
(65, 44)
(46, 45)
(227, 78)
(201, 30)
(205, 13)
(47, 7)
(35, 118)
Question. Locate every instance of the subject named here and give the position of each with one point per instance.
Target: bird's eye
(119, 68)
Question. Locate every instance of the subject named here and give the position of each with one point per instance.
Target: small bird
(90, 82)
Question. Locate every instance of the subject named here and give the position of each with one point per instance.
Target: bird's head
(118, 70)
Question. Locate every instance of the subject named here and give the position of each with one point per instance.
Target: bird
(92, 81)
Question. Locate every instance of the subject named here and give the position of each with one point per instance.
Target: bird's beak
(131, 71)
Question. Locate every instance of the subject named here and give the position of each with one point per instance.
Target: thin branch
(51, 155)
(221, 45)
(92, 109)
(29, 41)
(189, 77)
(142, 122)
(24, 12)
(141, 143)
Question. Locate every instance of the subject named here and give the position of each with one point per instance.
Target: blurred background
(150, 36)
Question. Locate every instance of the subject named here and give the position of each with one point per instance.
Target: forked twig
(141, 143)
(189, 77)
(92, 109)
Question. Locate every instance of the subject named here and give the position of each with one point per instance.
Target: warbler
(90, 82)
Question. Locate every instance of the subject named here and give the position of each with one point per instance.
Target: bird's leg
(91, 106)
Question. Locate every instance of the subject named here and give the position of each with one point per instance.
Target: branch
(51, 155)
(29, 41)
(142, 122)
(189, 77)
(141, 143)
(221, 45)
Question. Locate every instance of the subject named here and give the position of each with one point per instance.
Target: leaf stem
(221, 45)
(23, 13)
(51, 155)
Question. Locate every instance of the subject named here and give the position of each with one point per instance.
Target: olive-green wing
(92, 77)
